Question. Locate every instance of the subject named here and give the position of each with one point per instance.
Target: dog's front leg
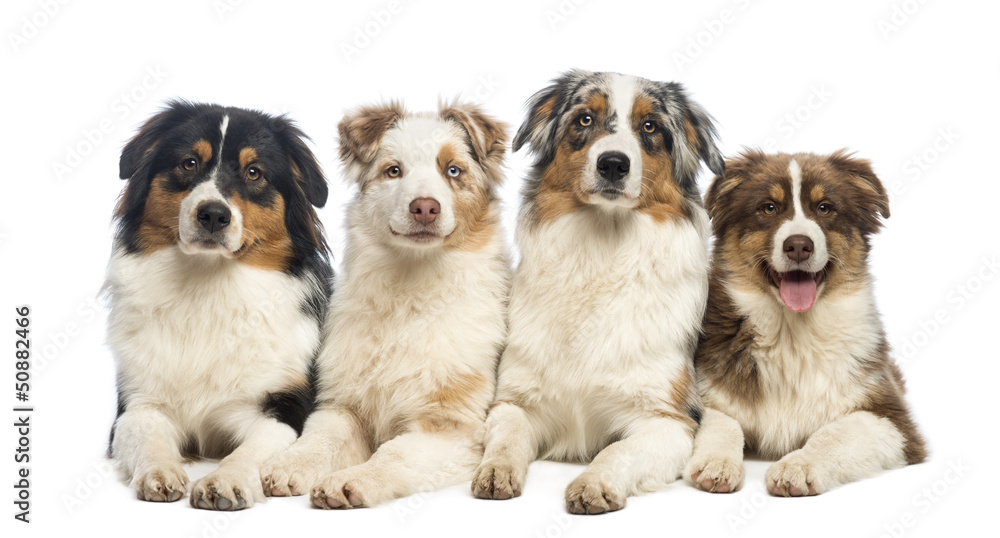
(850, 448)
(236, 483)
(651, 455)
(333, 439)
(717, 462)
(434, 454)
(146, 446)
(511, 446)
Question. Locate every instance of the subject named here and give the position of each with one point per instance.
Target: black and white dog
(218, 283)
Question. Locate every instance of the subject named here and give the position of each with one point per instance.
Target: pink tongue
(798, 290)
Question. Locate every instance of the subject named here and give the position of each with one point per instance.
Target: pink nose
(425, 210)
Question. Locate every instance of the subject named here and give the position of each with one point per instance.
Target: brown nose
(798, 247)
(425, 210)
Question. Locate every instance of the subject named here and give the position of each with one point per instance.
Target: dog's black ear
(138, 152)
(544, 109)
(487, 135)
(361, 131)
(135, 164)
(870, 189)
(305, 168)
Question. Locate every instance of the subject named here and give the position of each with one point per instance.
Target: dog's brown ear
(487, 135)
(736, 170)
(863, 178)
(361, 131)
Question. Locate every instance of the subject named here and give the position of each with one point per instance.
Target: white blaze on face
(413, 144)
(799, 224)
(798, 281)
(621, 98)
(193, 237)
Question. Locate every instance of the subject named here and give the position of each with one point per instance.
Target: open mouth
(797, 288)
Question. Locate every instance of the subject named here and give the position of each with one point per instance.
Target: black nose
(214, 216)
(798, 247)
(613, 165)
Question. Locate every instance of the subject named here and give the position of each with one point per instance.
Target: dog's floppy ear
(863, 178)
(361, 131)
(305, 168)
(138, 154)
(544, 109)
(487, 135)
(701, 134)
(694, 137)
(736, 171)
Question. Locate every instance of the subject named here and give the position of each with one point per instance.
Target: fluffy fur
(417, 322)
(793, 361)
(609, 294)
(218, 286)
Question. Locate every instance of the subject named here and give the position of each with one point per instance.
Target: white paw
(229, 488)
(498, 480)
(166, 483)
(795, 475)
(715, 474)
(289, 474)
(590, 495)
(351, 488)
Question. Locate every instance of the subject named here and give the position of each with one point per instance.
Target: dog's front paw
(716, 474)
(160, 484)
(233, 488)
(286, 476)
(795, 475)
(498, 480)
(590, 495)
(350, 488)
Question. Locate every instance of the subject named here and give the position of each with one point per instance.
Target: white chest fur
(810, 367)
(603, 318)
(189, 329)
(403, 325)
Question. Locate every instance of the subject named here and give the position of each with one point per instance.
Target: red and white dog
(417, 321)
(793, 362)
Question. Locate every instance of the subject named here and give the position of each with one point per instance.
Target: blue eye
(454, 171)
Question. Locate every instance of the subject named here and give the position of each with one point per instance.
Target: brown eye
(585, 120)
(254, 174)
(393, 171)
(649, 127)
(768, 209)
(824, 209)
(190, 164)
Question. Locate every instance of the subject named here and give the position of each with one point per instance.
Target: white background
(897, 81)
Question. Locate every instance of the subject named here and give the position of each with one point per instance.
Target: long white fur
(200, 340)
(405, 322)
(811, 386)
(604, 305)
